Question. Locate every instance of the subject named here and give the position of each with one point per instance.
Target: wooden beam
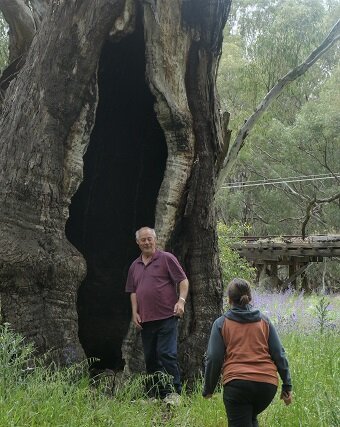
(295, 273)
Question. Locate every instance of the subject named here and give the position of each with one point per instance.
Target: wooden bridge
(267, 253)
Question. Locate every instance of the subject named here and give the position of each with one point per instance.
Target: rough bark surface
(41, 146)
(132, 84)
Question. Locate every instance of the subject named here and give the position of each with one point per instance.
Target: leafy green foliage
(299, 135)
(263, 41)
(232, 264)
(3, 43)
(311, 145)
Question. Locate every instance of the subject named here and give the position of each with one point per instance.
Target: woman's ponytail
(239, 292)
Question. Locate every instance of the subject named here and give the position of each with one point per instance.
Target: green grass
(42, 397)
(314, 363)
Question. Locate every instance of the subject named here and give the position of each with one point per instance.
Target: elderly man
(158, 290)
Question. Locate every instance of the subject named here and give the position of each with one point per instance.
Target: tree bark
(132, 84)
(47, 116)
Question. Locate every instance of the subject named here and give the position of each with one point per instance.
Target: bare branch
(291, 219)
(258, 216)
(311, 205)
(21, 26)
(326, 159)
(258, 148)
(329, 199)
(292, 75)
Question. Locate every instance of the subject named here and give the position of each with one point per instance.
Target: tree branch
(329, 199)
(21, 26)
(309, 210)
(292, 75)
(326, 159)
(291, 219)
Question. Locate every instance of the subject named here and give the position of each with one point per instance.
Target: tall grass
(33, 395)
(314, 364)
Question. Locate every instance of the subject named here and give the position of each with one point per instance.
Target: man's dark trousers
(159, 339)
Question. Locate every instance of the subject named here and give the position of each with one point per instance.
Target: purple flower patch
(290, 311)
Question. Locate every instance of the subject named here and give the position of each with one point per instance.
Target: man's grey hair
(147, 228)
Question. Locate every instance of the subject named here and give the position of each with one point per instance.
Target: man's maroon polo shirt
(155, 285)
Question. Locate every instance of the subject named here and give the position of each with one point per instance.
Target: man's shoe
(172, 399)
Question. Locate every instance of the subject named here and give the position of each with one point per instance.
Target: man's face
(146, 242)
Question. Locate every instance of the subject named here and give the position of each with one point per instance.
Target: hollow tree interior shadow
(123, 169)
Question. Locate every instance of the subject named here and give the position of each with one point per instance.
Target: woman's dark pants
(244, 400)
(159, 339)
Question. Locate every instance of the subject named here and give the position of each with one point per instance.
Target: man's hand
(179, 308)
(286, 396)
(137, 320)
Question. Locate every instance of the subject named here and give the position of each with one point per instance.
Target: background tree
(307, 148)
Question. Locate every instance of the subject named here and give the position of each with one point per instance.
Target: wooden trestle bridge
(267, 253)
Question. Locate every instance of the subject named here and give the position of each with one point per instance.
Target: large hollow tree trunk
(132, 85)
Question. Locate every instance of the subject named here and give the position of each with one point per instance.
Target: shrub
(232, 264)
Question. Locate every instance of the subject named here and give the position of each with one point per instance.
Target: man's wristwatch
(183, 299)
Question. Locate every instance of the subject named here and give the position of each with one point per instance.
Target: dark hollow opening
(123, 169)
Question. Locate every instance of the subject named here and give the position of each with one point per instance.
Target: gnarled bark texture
(111, 124)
